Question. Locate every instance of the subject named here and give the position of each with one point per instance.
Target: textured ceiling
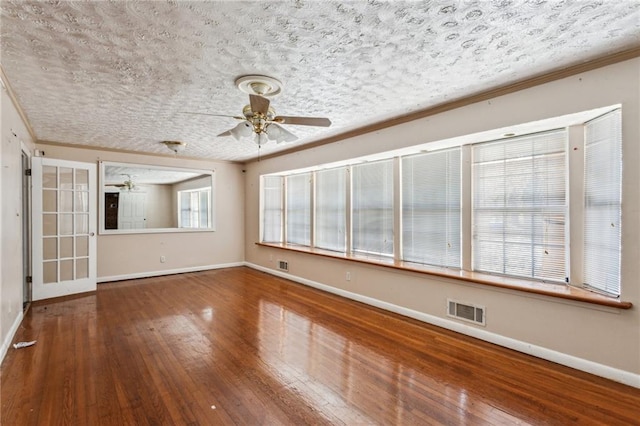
(118, 74)
(114, 174)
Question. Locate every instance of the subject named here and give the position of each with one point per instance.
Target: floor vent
(283, 266)
(466, 311)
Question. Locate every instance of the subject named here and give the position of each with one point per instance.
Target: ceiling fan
(259, 118)
(127, 185)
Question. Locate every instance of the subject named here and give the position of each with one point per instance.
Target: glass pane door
(64, 222)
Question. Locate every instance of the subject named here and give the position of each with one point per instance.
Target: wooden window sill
(546, 289)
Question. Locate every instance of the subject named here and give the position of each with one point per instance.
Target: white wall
(601, 340)
(135, 255)
(13, 133)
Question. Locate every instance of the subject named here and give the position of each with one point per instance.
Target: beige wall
(11, 217)
(159, 206)
(601, 337)
(139, 254)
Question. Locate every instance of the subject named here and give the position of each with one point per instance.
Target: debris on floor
(24, 344)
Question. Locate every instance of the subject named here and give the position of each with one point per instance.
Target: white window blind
(331, 219)
(372, 208)
(602, 210)
(431, 208)
(272, 209)
(299, 209)
(519, 206)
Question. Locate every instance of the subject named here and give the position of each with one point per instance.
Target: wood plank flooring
(237, 346)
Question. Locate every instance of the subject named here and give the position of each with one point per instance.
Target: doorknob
(91, 234)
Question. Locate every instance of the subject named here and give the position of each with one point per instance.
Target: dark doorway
(111, 210)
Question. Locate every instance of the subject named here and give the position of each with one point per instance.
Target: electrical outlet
(163, 259)
(347, 276)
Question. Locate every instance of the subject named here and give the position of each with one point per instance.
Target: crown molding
(128, 151)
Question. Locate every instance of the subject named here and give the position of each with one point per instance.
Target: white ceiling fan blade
(259, 104)
(303, 121)
(213, 115)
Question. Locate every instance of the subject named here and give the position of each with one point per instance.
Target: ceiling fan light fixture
(242, 130)
(274, 132)
(175, 146)
(128, 184)
(280, 134)
(260, 138)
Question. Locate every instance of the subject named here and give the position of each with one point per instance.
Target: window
(272, 209)
(498, 207)
(331, 205)
(519, 206)
(298, 228)
(193, 208)
(602, 210)
(372, 208)
(431, 208)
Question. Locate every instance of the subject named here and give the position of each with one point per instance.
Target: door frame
(27, 230)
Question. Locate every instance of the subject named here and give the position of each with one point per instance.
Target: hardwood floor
(237, 346)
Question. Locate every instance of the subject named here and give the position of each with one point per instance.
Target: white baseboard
(167, 272)
(621, 376)
(10, 335)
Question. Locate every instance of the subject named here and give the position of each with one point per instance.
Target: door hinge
(29, 279)
(27, 172)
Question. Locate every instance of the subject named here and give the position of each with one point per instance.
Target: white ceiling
(118, 173)
(118, 74)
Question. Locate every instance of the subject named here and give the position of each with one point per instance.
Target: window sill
(546, 289)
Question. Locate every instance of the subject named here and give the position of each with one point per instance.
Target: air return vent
(466, 311)
(283, 266)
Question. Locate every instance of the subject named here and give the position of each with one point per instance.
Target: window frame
(343, 204)
(525, 166)
(388, 214)
(451, 177)
(203, 190)
(574, 209)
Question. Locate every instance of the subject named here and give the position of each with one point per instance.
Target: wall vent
(283, 266)
(466, 311)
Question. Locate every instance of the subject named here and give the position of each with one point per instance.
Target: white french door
(64, 226)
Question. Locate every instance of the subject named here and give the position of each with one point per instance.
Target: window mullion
(575, 224)
(284, 210)
(348, 212)
(397, 209)
(466, 213)
(312, 209)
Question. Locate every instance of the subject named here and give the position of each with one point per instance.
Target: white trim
(10, 335)
(621, 376)
(149, 274)
(101, 191)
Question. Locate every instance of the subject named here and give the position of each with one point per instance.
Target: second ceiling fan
(259, 119)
